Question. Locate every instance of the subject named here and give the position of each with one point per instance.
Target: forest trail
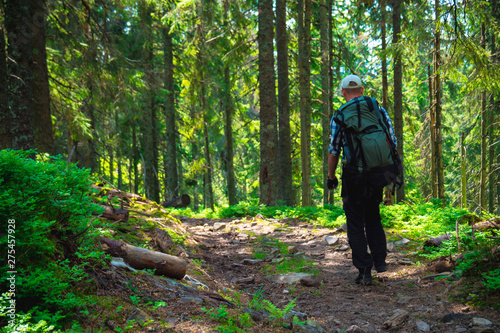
(224, 251)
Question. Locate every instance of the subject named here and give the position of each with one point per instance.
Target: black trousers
(364, 227)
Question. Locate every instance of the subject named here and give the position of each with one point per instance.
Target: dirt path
(224, 254)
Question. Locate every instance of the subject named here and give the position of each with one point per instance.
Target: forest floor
(224, 279)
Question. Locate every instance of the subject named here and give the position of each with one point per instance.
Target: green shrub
(46, 209)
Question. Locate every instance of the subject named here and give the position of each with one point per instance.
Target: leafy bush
(46, 207)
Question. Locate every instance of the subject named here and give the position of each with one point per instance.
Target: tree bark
(114, 214)
(44, 135)
(178, 202)
(385, 84)
(398, 89)
(285, 145)
(484, 138)
(268, 179)
(228, 131)
(20, 69)
(325, 93)
(304, 28)
(5, 115)
(437, 105)
(171, 177)
(149, 130)
(140, 258)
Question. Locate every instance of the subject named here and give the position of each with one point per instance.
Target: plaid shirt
(338, 140)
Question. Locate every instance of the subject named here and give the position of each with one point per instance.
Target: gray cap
(351, 82)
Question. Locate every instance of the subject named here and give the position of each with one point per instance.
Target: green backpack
(370, 149)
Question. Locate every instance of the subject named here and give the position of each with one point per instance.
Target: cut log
(115, 214)
(179, 202)
(163, 240)
(140, 258)
(436, 242)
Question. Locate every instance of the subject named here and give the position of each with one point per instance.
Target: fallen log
(179, 202)
(163, 240)
(115, 214)
(140, 258)
(436, 242)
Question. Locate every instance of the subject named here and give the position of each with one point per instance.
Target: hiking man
(360, 195)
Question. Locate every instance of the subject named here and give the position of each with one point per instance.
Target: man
(360, 199)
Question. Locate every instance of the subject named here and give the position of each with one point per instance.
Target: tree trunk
(325, 93)
(385, 84)
(114, 214)
(140, 258)
(285, 145)
(398, 89)
(463, 171)
(484, 138)
(44, 135)
(5, 115)
(268, 179)
(432, 132)
(304, 29)
(20, 77)
(150, 147)
(178, 202)
(135, 159)
(437, 106)
(228, 131)
(172, 180)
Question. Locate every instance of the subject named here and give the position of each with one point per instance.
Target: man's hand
(332, 183)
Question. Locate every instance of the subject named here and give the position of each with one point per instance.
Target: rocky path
(406, 298)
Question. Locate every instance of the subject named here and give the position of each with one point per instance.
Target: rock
(242, 236)
(259, 217)
(190, 299)
(314, 323)
(140, 317)
(402, 242)
(476, 321)
(290, 278)
(422, 326)
(291, 314)
(391, 247)
(219, 226)
(342, 228)
(396, 319)
(343, 248)
(310, 282)
(331, 240)
(355, 329)
(248, 279)
(305, 329)
(251, 261)
(256, 316)
(450, 317)
(120, 263)
(292, 249)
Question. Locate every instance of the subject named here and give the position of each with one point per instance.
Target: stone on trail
(331, 240)
(396, 319)
(290, 278)
(422, 326)
(292, 249)
(355, 329)
(219, 226)
(476, 321)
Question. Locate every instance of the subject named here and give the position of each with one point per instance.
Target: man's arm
(333, 161)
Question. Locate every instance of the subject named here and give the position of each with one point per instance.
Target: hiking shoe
(381, 268)
(364, 278)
